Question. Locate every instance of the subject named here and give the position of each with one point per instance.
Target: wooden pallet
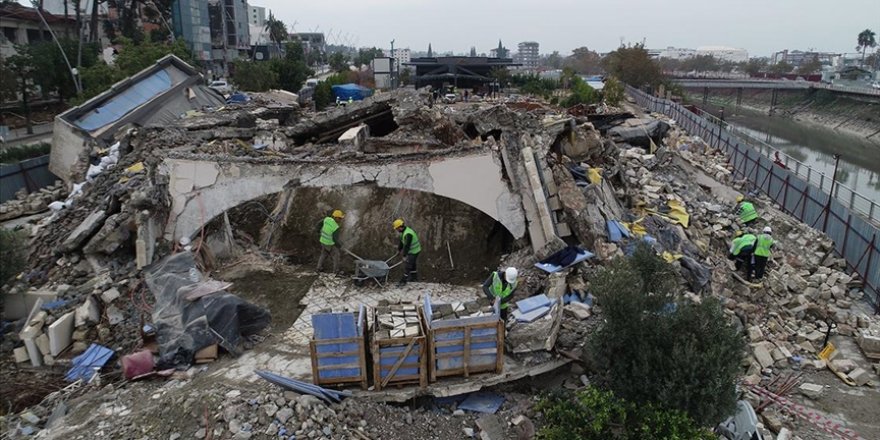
(398, 361)
(327, 372)
(465, 348)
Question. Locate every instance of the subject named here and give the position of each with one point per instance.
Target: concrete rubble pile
(572, 177)
(35, 202)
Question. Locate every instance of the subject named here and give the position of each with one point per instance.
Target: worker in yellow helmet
(330, 244)
(409, 248)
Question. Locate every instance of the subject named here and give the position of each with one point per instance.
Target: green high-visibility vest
(765, 242)
(500, 291)
(743, 242)
(415, 246)
(747, 212)
(330, 226)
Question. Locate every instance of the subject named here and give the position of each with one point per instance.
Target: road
(19, 136)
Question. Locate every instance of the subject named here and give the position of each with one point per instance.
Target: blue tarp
(350, 90)
(129, 99)
(616, 231)
(87, 364)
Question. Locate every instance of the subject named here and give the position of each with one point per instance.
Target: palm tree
(276, 28)
(866, 40)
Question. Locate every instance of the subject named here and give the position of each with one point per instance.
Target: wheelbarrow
(376, 270)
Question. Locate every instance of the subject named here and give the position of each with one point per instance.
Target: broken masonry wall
(202, 190)
(68, 144)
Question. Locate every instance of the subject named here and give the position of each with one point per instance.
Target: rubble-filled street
(180, 261)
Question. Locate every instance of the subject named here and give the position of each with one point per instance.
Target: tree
(132, 58)
(810, 67)
(633, 66)
(613, 91)
(755, 66)
(554, 60)
(592, 414)
(580, 93)
(866, 40)
(291, 70)
(337, 62)
(584, 60)
(781, 68)
(501, 75)
(405, 76)
(276, 28)
(55, 75)
(365, 55)
(254, 76)
(656, 348)
(22, 67)
(701, 63)
(502, 51)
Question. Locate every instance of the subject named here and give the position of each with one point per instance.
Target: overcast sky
(759, 26)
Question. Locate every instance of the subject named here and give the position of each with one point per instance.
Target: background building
(459, 72)
(527, 55)
(192, 24)
(724, 53)
(400, 56)
(257, 15)
(22, 25)
(798, 57)
(675, 53)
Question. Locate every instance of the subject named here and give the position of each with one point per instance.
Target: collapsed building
(182, 209)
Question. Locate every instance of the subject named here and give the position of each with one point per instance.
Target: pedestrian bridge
(200, 190)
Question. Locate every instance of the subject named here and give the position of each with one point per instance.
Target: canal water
(815, 146)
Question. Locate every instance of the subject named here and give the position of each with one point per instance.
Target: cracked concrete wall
(201, 190)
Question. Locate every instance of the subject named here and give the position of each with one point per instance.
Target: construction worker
(330, 244)
(746, 211)
(741, 250)
(501, 284)
(762, 251)
(409, 249)
(350, 99)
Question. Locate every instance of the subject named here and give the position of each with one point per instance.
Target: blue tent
(351, 90)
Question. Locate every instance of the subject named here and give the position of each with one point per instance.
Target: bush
(13, 253)
(593, 414)
(655, 348)
(581, 93)
(24, 152)
(613, 91)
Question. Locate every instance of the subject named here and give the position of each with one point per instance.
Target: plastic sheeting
(352, 91)
(184, 327)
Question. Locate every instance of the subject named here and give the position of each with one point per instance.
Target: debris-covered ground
(95, 269)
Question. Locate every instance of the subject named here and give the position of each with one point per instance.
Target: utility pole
(393, 62)
(827, 209)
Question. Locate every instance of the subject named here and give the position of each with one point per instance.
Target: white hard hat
(510, 274)
(767, 230)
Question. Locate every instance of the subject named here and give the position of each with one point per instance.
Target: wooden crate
(327, 372)
(461, 347)
(398, 361)
(340, 361)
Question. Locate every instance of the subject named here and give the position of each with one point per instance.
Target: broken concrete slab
(579, 310)
(42, 342)
(87, 312)
(110, 295)
(811, 390)
(17, 305)
(762, 354)
(61, 333)
(860, 376)
(20, 354)
(85, 230)
(356, 137)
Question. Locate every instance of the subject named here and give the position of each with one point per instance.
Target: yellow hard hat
(738, 234)
(338, 214)
(397, 223)
(739, 198)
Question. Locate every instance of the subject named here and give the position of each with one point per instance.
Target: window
(9, 34)
(34, 35)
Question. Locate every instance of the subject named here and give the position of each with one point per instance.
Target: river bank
(857, 117)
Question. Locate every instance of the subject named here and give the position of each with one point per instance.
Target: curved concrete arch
(201, 190)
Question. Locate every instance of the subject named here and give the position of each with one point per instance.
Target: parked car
(450, 98)
(221, 86)
(875, 85)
